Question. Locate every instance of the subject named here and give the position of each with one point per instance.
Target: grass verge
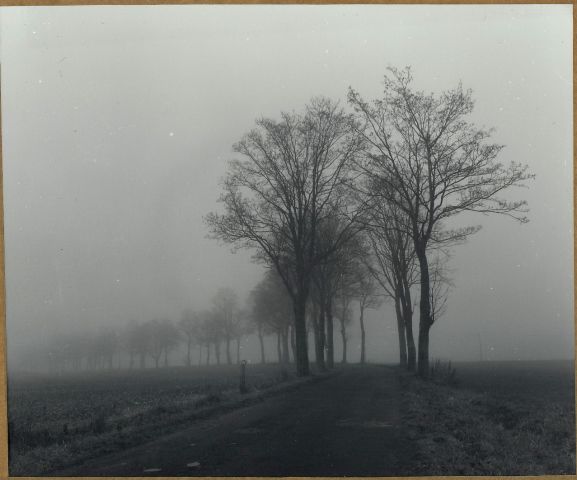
(461, 432)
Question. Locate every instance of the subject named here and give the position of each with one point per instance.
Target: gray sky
(118, 123)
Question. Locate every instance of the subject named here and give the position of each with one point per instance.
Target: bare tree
(433, 164)
(328, 280)
(367, 297)
(131, 341)
(108, 342)
(207, 332)
(346, 296)
(225, 309)
(169, 336)
(242, 327)
(141, 341)
(152, 331)
(189, 325)
(211, 334)
(272, 309)
(336, 282)
(202, 337)
(325, 278)
(316, 310)
(392, 264)
(293, 171)
(259, 322)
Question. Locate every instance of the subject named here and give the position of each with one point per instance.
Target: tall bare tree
(292, 173)
(333, 281)
(392, 264)
(433, 164)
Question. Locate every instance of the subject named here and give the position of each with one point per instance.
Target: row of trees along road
(312, 188)
(224, 323)
(268, 312)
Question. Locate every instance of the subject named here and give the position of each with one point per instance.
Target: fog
(118, 123)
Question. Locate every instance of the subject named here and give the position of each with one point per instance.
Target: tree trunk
(363, 335)
(318, 336)
(343, 319)
(261, 340)
(330, 336)
(217, 352)
(401, 333)
(228, 357)
(188, 359)
(411, 350)
(166, 357)
(293, 343)
(322, 338)
(285, 346)
(425, 313)
(423, 365)
(407, 311)
(344, 337)
(238, 350)
(278, 347)
(208, 353)
(302, 354)
(199, 354)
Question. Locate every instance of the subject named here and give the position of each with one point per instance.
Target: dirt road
(348, 424)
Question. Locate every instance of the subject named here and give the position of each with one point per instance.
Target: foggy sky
(118, 123)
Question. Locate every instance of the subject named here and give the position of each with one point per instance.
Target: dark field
(546, 380)
(53, 416)
(77, 400)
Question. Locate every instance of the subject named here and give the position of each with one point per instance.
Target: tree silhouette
(433, 164)
(293, 173)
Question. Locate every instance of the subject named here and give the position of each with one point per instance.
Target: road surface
(348, 424)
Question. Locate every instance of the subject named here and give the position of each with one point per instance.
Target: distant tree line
(346, 205)
(212, 332)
